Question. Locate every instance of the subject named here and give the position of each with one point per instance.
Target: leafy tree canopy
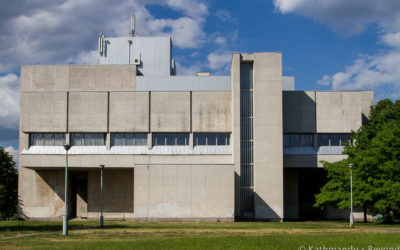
(8, 185)
(375, 154)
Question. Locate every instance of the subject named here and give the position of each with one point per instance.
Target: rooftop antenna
(101, 44)
(133, 25)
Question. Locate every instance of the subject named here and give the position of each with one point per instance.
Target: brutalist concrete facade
(252, 175)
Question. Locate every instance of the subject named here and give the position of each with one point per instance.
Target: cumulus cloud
(219, 60)
(63, 30)
(347, 17)
(187, 70)
(381, 71)
(9, 101)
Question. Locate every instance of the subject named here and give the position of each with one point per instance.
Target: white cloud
(224, 15)
(9, 101)
(187, 71)
(219, 59)
(14, 153)
(347, 17)
(381, 71)
(65, 30)
(220, 40)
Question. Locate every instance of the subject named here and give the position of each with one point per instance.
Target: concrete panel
(41, 193)
(338, 112)
(367, 99)
(129, 112)
(298, 111)
(44, 78)
(268, 147)
(211, 112)
(102, 77)
(184, 192)
(117, 198)
(291, 193)
(87, 112)
(44, 112)
(170, 112)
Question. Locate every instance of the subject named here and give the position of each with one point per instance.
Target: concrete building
(177, 147)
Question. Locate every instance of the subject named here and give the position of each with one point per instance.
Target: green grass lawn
(185, 235)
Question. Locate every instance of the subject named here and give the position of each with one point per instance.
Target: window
(128, 139)
(46, 139)
(333, 139)
(170, 139)
(211, 139)
(298, 140)
(87, 139)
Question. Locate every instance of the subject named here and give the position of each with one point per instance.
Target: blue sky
(325, 44)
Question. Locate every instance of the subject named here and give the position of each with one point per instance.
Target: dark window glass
(46, 139)
(87, 139)
(323, 140)
(128, 139)
(298, 140)
(335, 140)
(344, 139)
(222, 139)
(211, 139)
(170, 139)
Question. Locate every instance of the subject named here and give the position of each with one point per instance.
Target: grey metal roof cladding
(194, 83)
(183, 83)
(288, 83)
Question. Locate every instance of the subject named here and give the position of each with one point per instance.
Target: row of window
(129, 139)
(307, 140)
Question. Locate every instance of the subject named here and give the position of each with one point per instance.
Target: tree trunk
(365, 213)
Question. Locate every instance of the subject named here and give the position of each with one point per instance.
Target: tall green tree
(8, 185)
(376, 173)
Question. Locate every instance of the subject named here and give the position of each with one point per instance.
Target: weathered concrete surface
(44, 78)
(184, 191)
(117, 193)
(44, 112)
(102, 77)
(235, 136)
(117, 161)
(268, 145)
(87, 112)
(291, 194)
(367, 99)
(211, 112)
(299, 111)
(41, 193)
(170, 112)
(129, 111)
(338, 112)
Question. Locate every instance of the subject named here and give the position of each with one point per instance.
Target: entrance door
(80, 195)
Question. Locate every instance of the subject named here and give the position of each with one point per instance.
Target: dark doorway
(78, 205)
(311, 180)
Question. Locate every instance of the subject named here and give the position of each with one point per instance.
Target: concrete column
(191, 143)
(67, 138)
(150, 140)
(108, 141)
(235, 137)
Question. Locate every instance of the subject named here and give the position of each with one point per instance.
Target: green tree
(376, 173)
(8, 185)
